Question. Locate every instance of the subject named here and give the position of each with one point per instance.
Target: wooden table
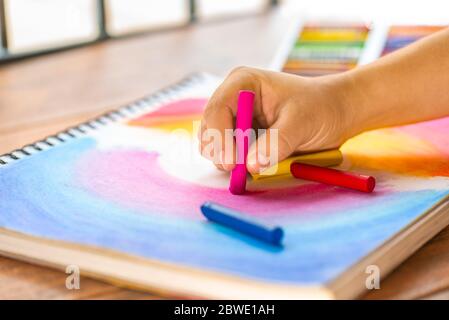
(42, 95)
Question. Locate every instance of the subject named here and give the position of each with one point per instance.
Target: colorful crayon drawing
(137, 186)
(120, 189)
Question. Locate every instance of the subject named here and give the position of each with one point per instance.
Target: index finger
(218, 120)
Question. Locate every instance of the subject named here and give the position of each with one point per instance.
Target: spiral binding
(103, 120)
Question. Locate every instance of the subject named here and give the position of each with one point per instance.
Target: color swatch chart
(326, 49)
(400, 36)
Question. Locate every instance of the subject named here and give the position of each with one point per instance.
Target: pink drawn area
(435, 132)
(180, 107)
(133, 179)
(171, 112)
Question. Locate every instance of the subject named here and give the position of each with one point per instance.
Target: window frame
(101, 22)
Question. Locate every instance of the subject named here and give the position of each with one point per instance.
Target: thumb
(272, 145)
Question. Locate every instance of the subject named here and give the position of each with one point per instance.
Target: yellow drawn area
(395, 151)
(167, 123)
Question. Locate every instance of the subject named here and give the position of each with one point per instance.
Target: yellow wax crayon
(333, 35)
(327, 158)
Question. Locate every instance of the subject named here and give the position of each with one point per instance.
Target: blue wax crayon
(236, 221)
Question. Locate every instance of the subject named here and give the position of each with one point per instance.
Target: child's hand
(405, 86)
(310, 114)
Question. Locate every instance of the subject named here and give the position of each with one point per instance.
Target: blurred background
(31, 27)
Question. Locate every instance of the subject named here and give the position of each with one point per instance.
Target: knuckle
(210, 112)
(243, 72)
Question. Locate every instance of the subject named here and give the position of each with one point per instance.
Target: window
(30, 27)
(2, 30)
(126, 16)
(38, 24)
(219, 8)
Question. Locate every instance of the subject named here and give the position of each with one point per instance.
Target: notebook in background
(326, 49)
(316, 49)
(400, 36)
(119, 196)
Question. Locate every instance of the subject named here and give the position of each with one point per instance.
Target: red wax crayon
(333, 177)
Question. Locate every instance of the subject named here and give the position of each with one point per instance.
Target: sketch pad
(111, 197)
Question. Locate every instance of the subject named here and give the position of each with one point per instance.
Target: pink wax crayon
(244, 119)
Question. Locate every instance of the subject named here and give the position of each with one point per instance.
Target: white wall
(397, 11)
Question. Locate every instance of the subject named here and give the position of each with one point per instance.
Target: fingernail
(257, 164)
(225, 164)
(251, 163)
(263, 161)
